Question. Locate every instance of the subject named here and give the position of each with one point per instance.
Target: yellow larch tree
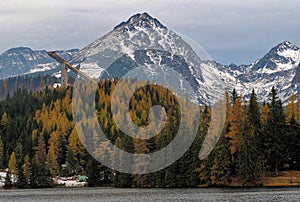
(52, 155)
(290, 110)
(12, 165)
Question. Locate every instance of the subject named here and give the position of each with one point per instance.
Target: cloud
(247, 28)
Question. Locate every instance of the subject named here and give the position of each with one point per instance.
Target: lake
(115, 194)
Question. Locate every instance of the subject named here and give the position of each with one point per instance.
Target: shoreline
(290, 178)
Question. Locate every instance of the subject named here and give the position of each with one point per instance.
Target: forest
(38, 140)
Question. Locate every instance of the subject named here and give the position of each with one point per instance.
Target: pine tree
(27, 169)
(234, 96)
(93, 173)
(293, 144)
(21, 180)
(248, 156)
(4, 127)
(264, 114)
(275, 145)
(221, 163)
(298, 109)
(254, 116)
(72, 165)
(40, 174)
(203, 169)
(121, 179)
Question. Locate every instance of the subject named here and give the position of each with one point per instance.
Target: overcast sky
(229, 30)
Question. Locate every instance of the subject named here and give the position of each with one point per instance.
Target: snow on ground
(91, 69)
(42, 68)
(69, 182)
(2, 178)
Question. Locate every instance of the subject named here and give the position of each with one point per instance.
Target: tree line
(39, 141)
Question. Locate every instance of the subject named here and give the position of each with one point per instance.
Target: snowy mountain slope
(23, 60)
(161, 67)
(142, 32)
(142, 41)
(145, 41)
(277, 68)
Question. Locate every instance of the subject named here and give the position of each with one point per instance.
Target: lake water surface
(114, 194)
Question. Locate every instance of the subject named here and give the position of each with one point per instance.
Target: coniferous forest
(39, 141)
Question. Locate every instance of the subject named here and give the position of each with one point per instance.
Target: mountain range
(25, 61)
(143, 41)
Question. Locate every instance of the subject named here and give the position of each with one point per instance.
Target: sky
(231, 31)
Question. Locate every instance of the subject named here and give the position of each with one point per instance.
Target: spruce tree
(221, 163)
(275, 133)
(298, 109)
(41, 174)
(4, 124)
(248, 157)
(27, 169)
(21, 180)
(93, 173)
(72, 164)
(293, 144)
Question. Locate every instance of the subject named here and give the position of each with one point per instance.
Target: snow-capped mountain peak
(277, 68)
(288, 50)
(282, 57)
(286, 45)
(143, 20)
(139, 32)
(145, 42)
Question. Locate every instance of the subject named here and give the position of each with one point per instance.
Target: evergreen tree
(21, 180)
(72, 165)
(264, 114)
(298, 109)
(234, 96)
(93, 173)
(293, 145)
(221, 163)
(40, 174)
(27, 169)
(4, 137)
(248, 156)
(275, 142)
(121, 179)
